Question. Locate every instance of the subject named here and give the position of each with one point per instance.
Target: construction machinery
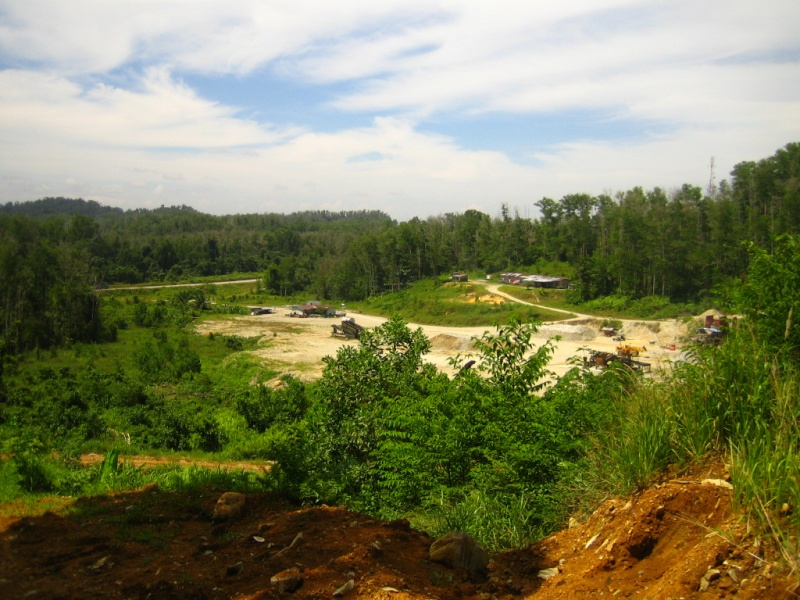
(348, 329)
(602, 360)
(709, 336)
(630, 350)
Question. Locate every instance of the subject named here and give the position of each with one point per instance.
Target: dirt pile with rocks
(681, 539)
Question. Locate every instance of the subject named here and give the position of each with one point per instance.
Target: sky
(413, 107)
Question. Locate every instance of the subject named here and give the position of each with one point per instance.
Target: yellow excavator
(630, 350)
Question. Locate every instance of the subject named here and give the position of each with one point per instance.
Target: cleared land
(297, 345)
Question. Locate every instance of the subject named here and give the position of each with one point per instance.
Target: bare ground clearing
(297, 345)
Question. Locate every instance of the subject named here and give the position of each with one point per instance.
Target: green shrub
(184, 426)
(159, 360)
(264, 407)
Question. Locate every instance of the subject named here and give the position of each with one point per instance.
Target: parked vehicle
(603, 360)
(348, 329)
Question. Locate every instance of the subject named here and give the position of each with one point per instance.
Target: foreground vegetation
(489, 451)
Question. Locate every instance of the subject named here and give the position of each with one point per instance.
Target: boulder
(288, 580)
(460, 552)
(229, 506)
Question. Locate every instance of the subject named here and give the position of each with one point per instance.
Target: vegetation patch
(499, 448)
(439, 302)
(610, 307)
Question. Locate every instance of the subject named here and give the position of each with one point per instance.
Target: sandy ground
(297, 345)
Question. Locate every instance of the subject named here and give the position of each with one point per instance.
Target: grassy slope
(614, 307)
(432, 302)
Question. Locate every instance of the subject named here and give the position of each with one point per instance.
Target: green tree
(770, 297)
(344, 421)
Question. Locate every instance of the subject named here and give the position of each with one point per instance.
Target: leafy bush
(233, 342)
(770, 297)
(181, 426)
(52, 407)
(387, 433)
(264, 407)
(158, 360)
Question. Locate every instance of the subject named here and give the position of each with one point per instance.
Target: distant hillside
(90, 208)
(60, 206)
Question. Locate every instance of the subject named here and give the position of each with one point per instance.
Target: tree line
(675, 244)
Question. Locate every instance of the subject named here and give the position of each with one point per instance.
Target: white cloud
(93, 99)
(159, 114)
(234, 36)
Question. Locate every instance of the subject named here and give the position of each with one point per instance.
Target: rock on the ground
(345, 589)
(229, 506)
(459, 551)
(287, 580)
(705, 581)
(547, 573)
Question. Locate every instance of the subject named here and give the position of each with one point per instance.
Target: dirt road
(174, 285)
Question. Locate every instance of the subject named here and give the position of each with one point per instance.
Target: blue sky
(416, 108)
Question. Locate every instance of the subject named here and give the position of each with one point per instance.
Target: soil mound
(569, 333)
(450, 343)
(678, 540)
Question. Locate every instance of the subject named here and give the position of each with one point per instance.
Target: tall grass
(497, 522)
(740, 400)
(637, 445)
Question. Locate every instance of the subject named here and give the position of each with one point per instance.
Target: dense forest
(674, 244)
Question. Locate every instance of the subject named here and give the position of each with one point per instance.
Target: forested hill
(187, 218)
(59, 206)
(677, 244)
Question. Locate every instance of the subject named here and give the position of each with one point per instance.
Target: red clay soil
(139, 460)
(151, 544)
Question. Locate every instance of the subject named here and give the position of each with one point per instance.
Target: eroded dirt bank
(677, 540)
